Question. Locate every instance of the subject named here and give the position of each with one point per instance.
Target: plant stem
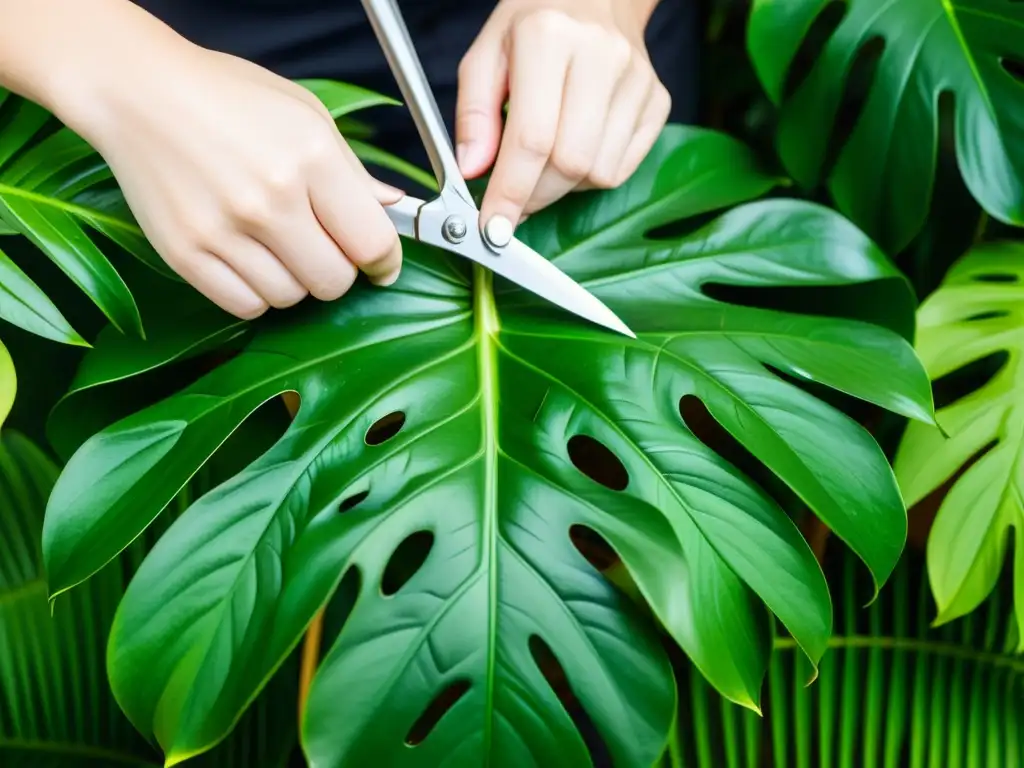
(310, 659)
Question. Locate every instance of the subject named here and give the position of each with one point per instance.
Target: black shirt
(333, 39)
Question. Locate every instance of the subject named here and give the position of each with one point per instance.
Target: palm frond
(58, 192)
(891, 691)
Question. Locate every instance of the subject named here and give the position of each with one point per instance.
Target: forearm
(62, 54)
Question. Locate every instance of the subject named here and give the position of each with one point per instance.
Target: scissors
(451, 221)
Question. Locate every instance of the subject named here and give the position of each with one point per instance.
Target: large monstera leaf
(884, 173)
(442, 464)
(977, 313)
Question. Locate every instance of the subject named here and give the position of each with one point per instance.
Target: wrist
(76, 58)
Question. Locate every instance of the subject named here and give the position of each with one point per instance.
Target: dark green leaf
(505, 404)
(884, 173)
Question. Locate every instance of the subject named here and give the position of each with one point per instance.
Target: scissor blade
(528, 269)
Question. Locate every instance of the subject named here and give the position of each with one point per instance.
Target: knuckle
(536, 142)
(377, 248)
(281, 183)
(252, 207)
(571, 163)
(663, 99)
(288, 297)
(332, 285)
(617, 50)
(546, 23)
(248, 309)
(604, 178)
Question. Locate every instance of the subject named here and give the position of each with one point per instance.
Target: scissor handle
(393, 35)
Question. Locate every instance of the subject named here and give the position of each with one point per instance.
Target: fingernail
(386, 193)
(468, 156)
(391, 279)
(498, 231)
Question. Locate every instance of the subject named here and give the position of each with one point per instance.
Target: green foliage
(8, 383)
(56, 708)
(893, 692)
(883, 173)
(974, 320)
(467, 418)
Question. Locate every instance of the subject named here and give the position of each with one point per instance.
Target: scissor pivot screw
(454, 229)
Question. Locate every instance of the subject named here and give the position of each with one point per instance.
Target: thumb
(483, 85)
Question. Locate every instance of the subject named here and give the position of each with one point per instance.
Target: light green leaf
(23, 304)
(474, 413)
(885, 171)
(8, 383)
(978, 311)
(343, 98)
(374, 156)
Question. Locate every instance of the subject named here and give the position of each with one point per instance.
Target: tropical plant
(492, 534)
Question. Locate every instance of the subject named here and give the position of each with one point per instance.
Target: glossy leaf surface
(8, 383)
(54, 190)
(977, 313)
(456, 427)
(885, 171)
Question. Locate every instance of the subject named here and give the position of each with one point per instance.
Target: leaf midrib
(486, 327)
(72, 209)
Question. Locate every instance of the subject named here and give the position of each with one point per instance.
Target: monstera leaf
(884, 173)
(976, 314)
(455, 441)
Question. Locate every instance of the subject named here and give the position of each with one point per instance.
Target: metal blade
(528, 269)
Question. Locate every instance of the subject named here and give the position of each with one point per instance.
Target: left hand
(585, 105)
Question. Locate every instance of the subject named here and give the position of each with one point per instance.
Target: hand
(240, 179)
(585, 105)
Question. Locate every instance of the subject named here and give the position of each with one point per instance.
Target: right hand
(240, 179)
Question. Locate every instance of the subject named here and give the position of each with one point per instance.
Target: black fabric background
(332, 39)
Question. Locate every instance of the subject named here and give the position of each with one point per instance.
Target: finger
(264, 272)
(482, 87)
(384, 193)
(624, 116)
(537, 71)
(220, 284)
(653, 119)
(312, 256)
(594, 76)
(344, 202)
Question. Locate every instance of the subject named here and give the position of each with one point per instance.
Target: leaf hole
(705, 427)
(595, 460)
(1014, 67)
(995, 277)
(438, 708)
(858, 85)
(339, 608)
(969, 378)
(818, 34)
(554, 674)
(405, 561)
(385, 428)
(871, 302)
(921, 516)
(353, 501)
(994, 314)
(593, 547)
